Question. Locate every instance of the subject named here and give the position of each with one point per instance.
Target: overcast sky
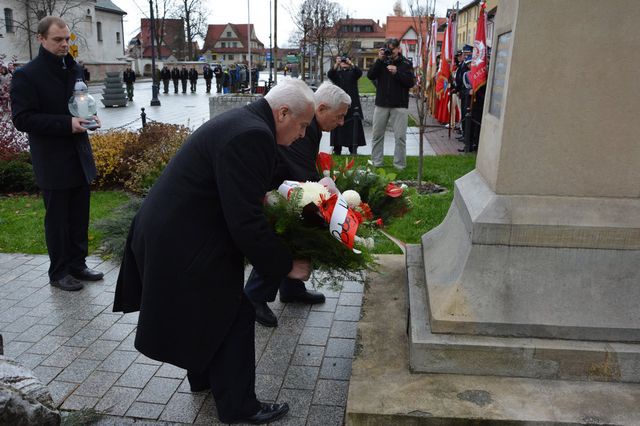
(235, 11)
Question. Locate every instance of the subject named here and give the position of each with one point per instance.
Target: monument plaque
(501, 58)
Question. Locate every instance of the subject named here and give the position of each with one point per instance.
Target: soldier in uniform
(165, 76)
(175, 76)
(207, 73)
(184, 76)
(193, 78)
(129, 77)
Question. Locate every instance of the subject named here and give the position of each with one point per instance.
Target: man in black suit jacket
(60, 151)
(183, 267)
(298, 162)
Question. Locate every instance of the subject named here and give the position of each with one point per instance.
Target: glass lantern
(83, 105)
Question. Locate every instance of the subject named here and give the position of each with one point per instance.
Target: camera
(344, 59)
(388, 52)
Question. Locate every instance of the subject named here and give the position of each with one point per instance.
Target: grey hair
(293, 93)
(331, 95)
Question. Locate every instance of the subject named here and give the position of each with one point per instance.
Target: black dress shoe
(264, 314)
(309, 297)
(87, 275)
(267, 414)
(67, 283)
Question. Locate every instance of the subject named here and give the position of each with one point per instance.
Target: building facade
(227, 44)
(467, 20)
(358, 38)
(407, 29)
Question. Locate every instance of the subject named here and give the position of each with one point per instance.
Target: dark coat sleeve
(375, 70)
(243, 176)
(26, 110)
(405, 75)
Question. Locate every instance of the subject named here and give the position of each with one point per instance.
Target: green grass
(365, 86)
(22, 221)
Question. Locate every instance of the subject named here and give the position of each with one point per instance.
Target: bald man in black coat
(184, 261)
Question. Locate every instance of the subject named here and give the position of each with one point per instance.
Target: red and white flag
(479, 58)
(431, 68)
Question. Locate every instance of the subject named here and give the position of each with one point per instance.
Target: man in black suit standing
(60, 151)
(183, 266)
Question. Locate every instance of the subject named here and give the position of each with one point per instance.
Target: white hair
(331, 95)
(293, 93)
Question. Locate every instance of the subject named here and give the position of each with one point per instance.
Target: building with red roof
(407, 28)
(227, 44)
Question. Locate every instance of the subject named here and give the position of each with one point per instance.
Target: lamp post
(155, 83)
(270, 48)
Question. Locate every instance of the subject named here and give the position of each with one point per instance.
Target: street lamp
(155, 85)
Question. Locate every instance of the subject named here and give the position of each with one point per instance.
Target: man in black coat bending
(183, 267)
(298, 162)
(60, 151)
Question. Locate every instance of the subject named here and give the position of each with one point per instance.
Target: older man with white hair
(183, 267)
(298, 162)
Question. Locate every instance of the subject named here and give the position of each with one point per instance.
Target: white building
(96, 27)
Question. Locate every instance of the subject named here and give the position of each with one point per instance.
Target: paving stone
(118, 361)
(47, 345)
(107, 420)
(336, 368)
(344, 329)
(46, 374)
(20, 292)
(89, 312)
(118, 332)
(35, 333)
(158, 390)
(99, 350)
(342, 348)
(32, 300)
(128, 344)
(78, 402)
(352, 287)
(22, 324)
(289, 420)
(282, 342)
(289, 325)
(12, 314)
(299, 401)
(314, 336)
(103, 320)
(350, 299)
(171, 371)
(268, 386)
(273, 362)
(319, 319)
(296, 310)
(84, 338)
(8, 336)
(45, 310)
(78, 370)
(301, 377)
(69, 328)
(60, 390)
(347, 313)
(331, 392)
(208, 414)
(145, 410)
(97, 384)
(62, 356)
(143, 359)
(183, 407)
(137, 375)
(130, 318)
(117, 400)
(308, 355)
(30, 360)
(329, 305)
(14, 349)
(103, 299)
(320, 415)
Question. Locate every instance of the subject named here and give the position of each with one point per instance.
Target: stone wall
(220, 104)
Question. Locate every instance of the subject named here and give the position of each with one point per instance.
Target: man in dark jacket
(193, 78)
(298, 162)
(393, 76)
(183, 267)
(60, 151)
(129, 77)
(175, 76)
(207, 74)
(217, 71)
(165, 76)
(184, 76)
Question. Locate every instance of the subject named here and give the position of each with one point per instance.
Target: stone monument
(113, 94)
(535, 271)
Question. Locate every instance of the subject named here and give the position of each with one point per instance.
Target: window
(214, 57)
(378, 44)
(99, 30)
(230, 57)
(223, 44)
(8, 20)
(228, 33)
(118, 37)
(412, 48)
(235, 44)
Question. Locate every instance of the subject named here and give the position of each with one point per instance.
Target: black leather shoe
(67, 283)
(309, 297)
(267, 414)
(87, 275)
(264, 314)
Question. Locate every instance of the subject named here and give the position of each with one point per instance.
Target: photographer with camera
(345, 74)
(393, 76)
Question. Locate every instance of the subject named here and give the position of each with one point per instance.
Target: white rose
(352, 198)
(311, 192)
(272, 198)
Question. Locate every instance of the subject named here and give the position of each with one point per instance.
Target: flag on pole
(479, 58)
(431, 67)
(444, 71)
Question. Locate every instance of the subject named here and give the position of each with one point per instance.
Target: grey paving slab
(97, 384)
(118, 331)
(158, 390)
(350, 299)
(77, 402)
(14, 349)
(208, 414)
(22, 324)
(319, 319)
(99, 350)
(314, 336)
(145, 410)
(78, 371)
(183, 408)
(143, 359)
(69, 328)
(342, 348)
(118, 361)
(352, 287)
(117, 400)
(331, 392)
(320, 415)
(60, 390)
(285, 343)
(336, 368)
(308, 355)
(301, 377)
(47, 345)
(128, 343)
(171, 371)
(46, 374)
(273, 362)
(137, 375)
(84, 338)
(63, 356)
(296, 310)
(299, 401)
(30, 360)
(268, 386)
(347, 313)
(329, 305)
(344, 329)
(35, 333)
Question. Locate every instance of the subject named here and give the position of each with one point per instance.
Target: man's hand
(76, 125)
(97, 120)
(301, 270)
(392, 69)
(381, 53)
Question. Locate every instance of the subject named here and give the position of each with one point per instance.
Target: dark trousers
(184, 86)
(130, 91)
(66, 224)
(192, 85)
(232, 372)
(257, 291)
(218, 85)
(165, 83)
(208, 83)
(175, 85)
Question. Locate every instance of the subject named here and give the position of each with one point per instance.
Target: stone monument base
(383, 390)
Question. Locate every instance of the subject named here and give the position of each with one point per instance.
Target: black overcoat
(40, 92)
(347, 80)
(184, 260)
(298, 160)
